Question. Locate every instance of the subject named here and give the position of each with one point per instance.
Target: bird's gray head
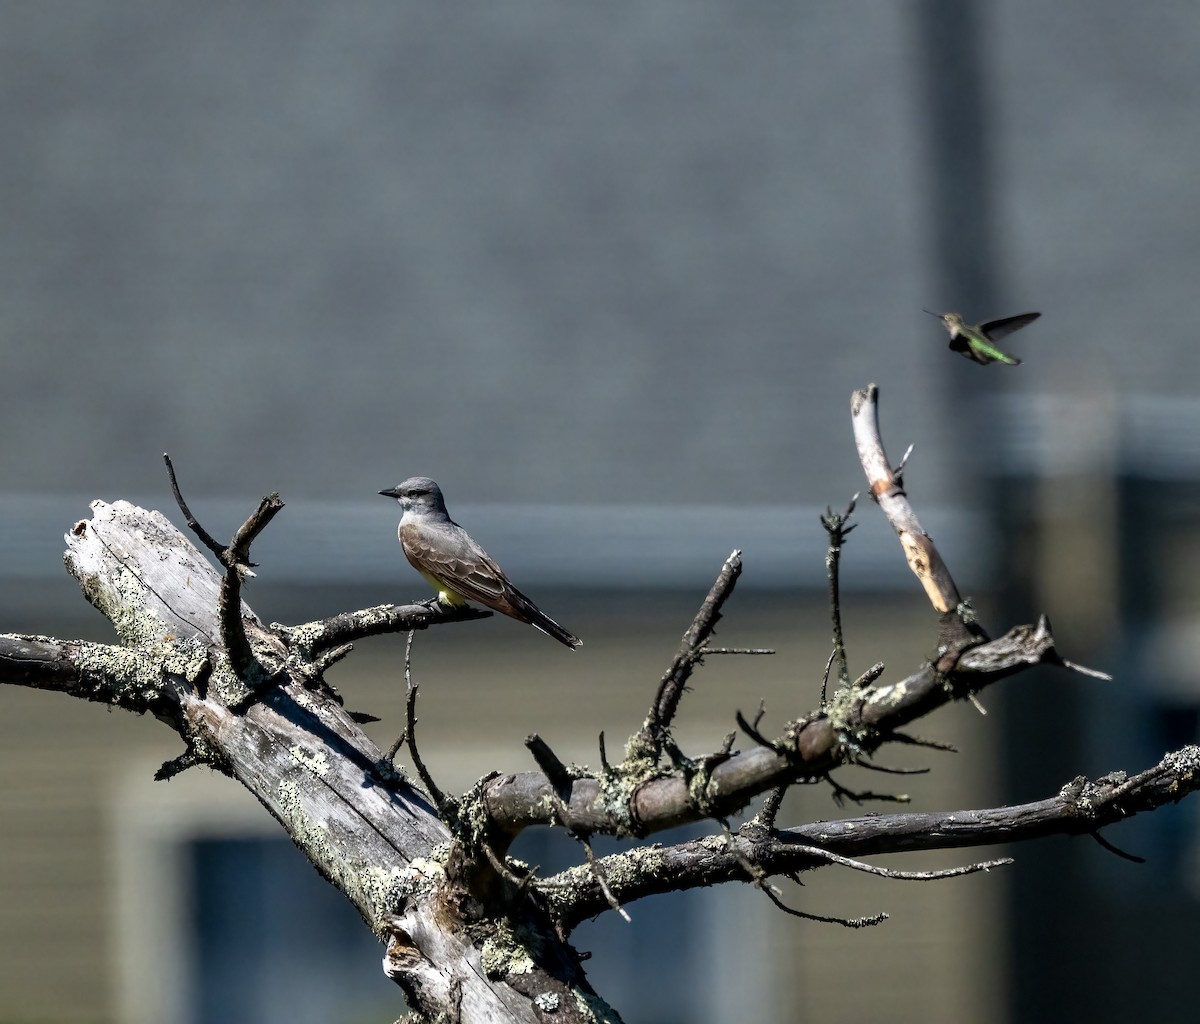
(418, 494)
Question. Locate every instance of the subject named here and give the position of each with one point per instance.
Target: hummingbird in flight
(977, 341)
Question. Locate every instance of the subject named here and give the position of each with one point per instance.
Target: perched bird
(444, 553)
(976, 341)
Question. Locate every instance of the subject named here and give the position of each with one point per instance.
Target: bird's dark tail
(548, 626)
(537, 618)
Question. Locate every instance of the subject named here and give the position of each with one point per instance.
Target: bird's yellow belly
(445, 595)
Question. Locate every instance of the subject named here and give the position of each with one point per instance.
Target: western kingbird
(444, 553)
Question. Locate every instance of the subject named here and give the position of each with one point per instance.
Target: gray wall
(594, 254)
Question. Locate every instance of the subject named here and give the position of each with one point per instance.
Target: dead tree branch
(812, 746)
(650, 740)
(1081, 807)
(344, 628)
(919, 550)
(471, 936)
(836, 527)
(235, 557)
(362, 824)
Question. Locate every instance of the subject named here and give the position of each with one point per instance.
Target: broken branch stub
(919, 550)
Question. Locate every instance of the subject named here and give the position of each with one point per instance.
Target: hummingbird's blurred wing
(997, 329)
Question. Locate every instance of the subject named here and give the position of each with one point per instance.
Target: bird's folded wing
(446, 552)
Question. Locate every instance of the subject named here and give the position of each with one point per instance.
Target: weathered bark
(1081, 807)
(812, 746)
(360, 822)
(886, 488)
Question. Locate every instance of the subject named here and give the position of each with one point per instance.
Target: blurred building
(609, 274)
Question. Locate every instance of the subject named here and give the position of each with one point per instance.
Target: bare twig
(229, 606)
(548, 761)
(410, 729)
(333, 632)
(1083, 670)
(841, 794)
(239, 548)
(869, 676)
(394, 749)
(758, 877)
(873, 766)
(1111, 848)
(599, 874)
(235, 557)
(765, 818)
(560, 778)
(825, 678)
(1081, 808)
(188, 759)
(895, 873)
(919, 741)
(845, 922)
(498, 864)
(649, 741)
(327, 659)
(835, 526)
(898, 472)
(202, 534)
(752, 731)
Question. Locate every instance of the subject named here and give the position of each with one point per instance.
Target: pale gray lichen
(386, 771)
(703, 790)
(623, 872)
(547, 1002)
(302, 638)
(617, 789)
(469, 819)
(121, 598)
(433, 866)
(308, 833)
(314, 760)
(375, 890)
(594, 1008)
(507, 951)
(626, 870)
(888, 696)
(842, 707)
(1185, 762)
(304, 699)
(383, 890)
(420, 880)
(179, 656)
(118, 676)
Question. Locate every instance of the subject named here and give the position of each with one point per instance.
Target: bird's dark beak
(930, 312)
(391, 492)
